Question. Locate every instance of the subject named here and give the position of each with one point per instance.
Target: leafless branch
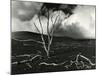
(52, 32)
(49, 33)
(26, 61)
(36, 28)
(41, 32)
(87, 60)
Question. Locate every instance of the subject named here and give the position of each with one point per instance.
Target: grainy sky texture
(81, 24)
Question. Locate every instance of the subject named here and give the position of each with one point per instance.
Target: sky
(81, 24)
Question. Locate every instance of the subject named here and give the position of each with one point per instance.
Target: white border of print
(5, 44)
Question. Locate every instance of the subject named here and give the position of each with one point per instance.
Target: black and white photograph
(52, 37)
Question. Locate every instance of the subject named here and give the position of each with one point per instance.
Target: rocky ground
(66, 54)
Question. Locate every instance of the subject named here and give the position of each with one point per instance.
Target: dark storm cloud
(80, 24)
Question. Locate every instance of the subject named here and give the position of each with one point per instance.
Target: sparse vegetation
(62, 54)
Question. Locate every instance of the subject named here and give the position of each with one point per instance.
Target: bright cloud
(82, 22)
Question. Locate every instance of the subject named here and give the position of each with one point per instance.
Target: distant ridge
(31, 35)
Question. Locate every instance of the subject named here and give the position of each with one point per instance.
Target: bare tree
(49, 32)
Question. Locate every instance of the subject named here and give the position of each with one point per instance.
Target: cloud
(18, 25)
(22, 13)
(25, 10)
(54, 19)
(81, 24)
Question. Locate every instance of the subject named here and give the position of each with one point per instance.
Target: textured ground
(66, 54)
